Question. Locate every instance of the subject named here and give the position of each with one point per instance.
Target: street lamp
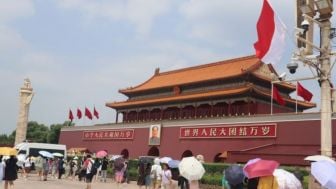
(321, 65)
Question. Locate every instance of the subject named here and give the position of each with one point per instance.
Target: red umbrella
(261, 168)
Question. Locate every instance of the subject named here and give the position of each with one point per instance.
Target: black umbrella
(119, 164)
(234, 174)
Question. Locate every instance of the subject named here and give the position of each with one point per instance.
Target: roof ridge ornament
(157, 71)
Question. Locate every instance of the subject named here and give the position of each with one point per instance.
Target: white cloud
(10, 40)
(12, 9)
(140, 13)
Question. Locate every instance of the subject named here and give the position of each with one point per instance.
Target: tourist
(97, 165)
(54, 167)
(166, 176)
(119, 174)
(73, 169)
(156, 174)
(60, 168)
(183, 182)
(45, 168)
(10, 172)
(126, 173)
(2, 169)
(88, 164)
(104, 169)
(27, 165)
(141, 175)
(39, 166)
(225, 183)
(148, 169)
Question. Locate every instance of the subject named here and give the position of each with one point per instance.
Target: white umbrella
(165, 159)
(57, 154)
(191, 169)
(286, 180)
(46, 154)
(318, 158)
(325, 173)
(114, 157)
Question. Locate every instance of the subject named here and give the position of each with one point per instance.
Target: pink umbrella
(101, 154)
(260, 168)
(251, 161)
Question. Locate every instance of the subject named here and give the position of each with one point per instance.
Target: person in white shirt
(166, 176)
(156, 173)
(27, 165)
(2, 169)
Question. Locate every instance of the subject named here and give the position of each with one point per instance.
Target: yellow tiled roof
(206, 72)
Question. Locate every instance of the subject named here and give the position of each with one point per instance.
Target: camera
(292, 67)
(305, 25)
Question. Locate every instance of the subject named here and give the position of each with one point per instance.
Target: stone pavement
(33, 182)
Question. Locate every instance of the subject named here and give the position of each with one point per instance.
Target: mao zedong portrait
(155, 135)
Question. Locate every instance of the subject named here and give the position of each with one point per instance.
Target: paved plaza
(34, 183)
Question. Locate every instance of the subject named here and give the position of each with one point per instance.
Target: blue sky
(78, 53)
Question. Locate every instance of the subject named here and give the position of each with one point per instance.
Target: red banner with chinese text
(229, 131)
(115, 134)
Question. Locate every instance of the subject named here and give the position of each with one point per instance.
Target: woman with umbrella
(119, 166)
(10, 172)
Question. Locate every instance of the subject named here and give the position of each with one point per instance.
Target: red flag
(95, 113)
(277, 97)
(71, 117)
(271, 35)
(88, 113)
(79, 113)
(304, 93)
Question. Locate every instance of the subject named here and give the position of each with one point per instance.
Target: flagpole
(296, 99)
(272, 99)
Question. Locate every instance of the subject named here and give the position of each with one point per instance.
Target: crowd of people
(152, 173)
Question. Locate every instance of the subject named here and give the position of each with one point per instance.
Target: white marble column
(26, 95)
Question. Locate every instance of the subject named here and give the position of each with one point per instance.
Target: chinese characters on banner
(229, 131)
(115, 134)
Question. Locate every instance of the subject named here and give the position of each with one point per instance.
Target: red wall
(294, 141)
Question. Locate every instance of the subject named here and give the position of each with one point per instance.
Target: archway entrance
(187, 153)
(153, 151)
(125, 153)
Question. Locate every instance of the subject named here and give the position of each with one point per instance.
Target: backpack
(93, 169)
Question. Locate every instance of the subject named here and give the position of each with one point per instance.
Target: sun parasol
(114, 157)
(119, 163)
(46, 154)
(248, 163)
(7, 151)
(57, 154)
(101, 154)
(174, 163)
(260, 168)
(165, 159)
(325, 173)
(234, 174)
(191, 169)
(286, 179)
(318, 158)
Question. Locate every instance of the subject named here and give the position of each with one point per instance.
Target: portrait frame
(154, 137)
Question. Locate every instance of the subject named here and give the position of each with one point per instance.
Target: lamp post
(324, 60)
(322, 63)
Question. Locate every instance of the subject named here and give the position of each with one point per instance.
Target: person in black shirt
(104, 169)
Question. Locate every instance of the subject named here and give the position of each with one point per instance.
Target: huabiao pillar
(26, 96)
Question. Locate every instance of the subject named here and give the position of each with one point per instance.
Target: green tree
(37, 132)
(6, 140)
(55, 131)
